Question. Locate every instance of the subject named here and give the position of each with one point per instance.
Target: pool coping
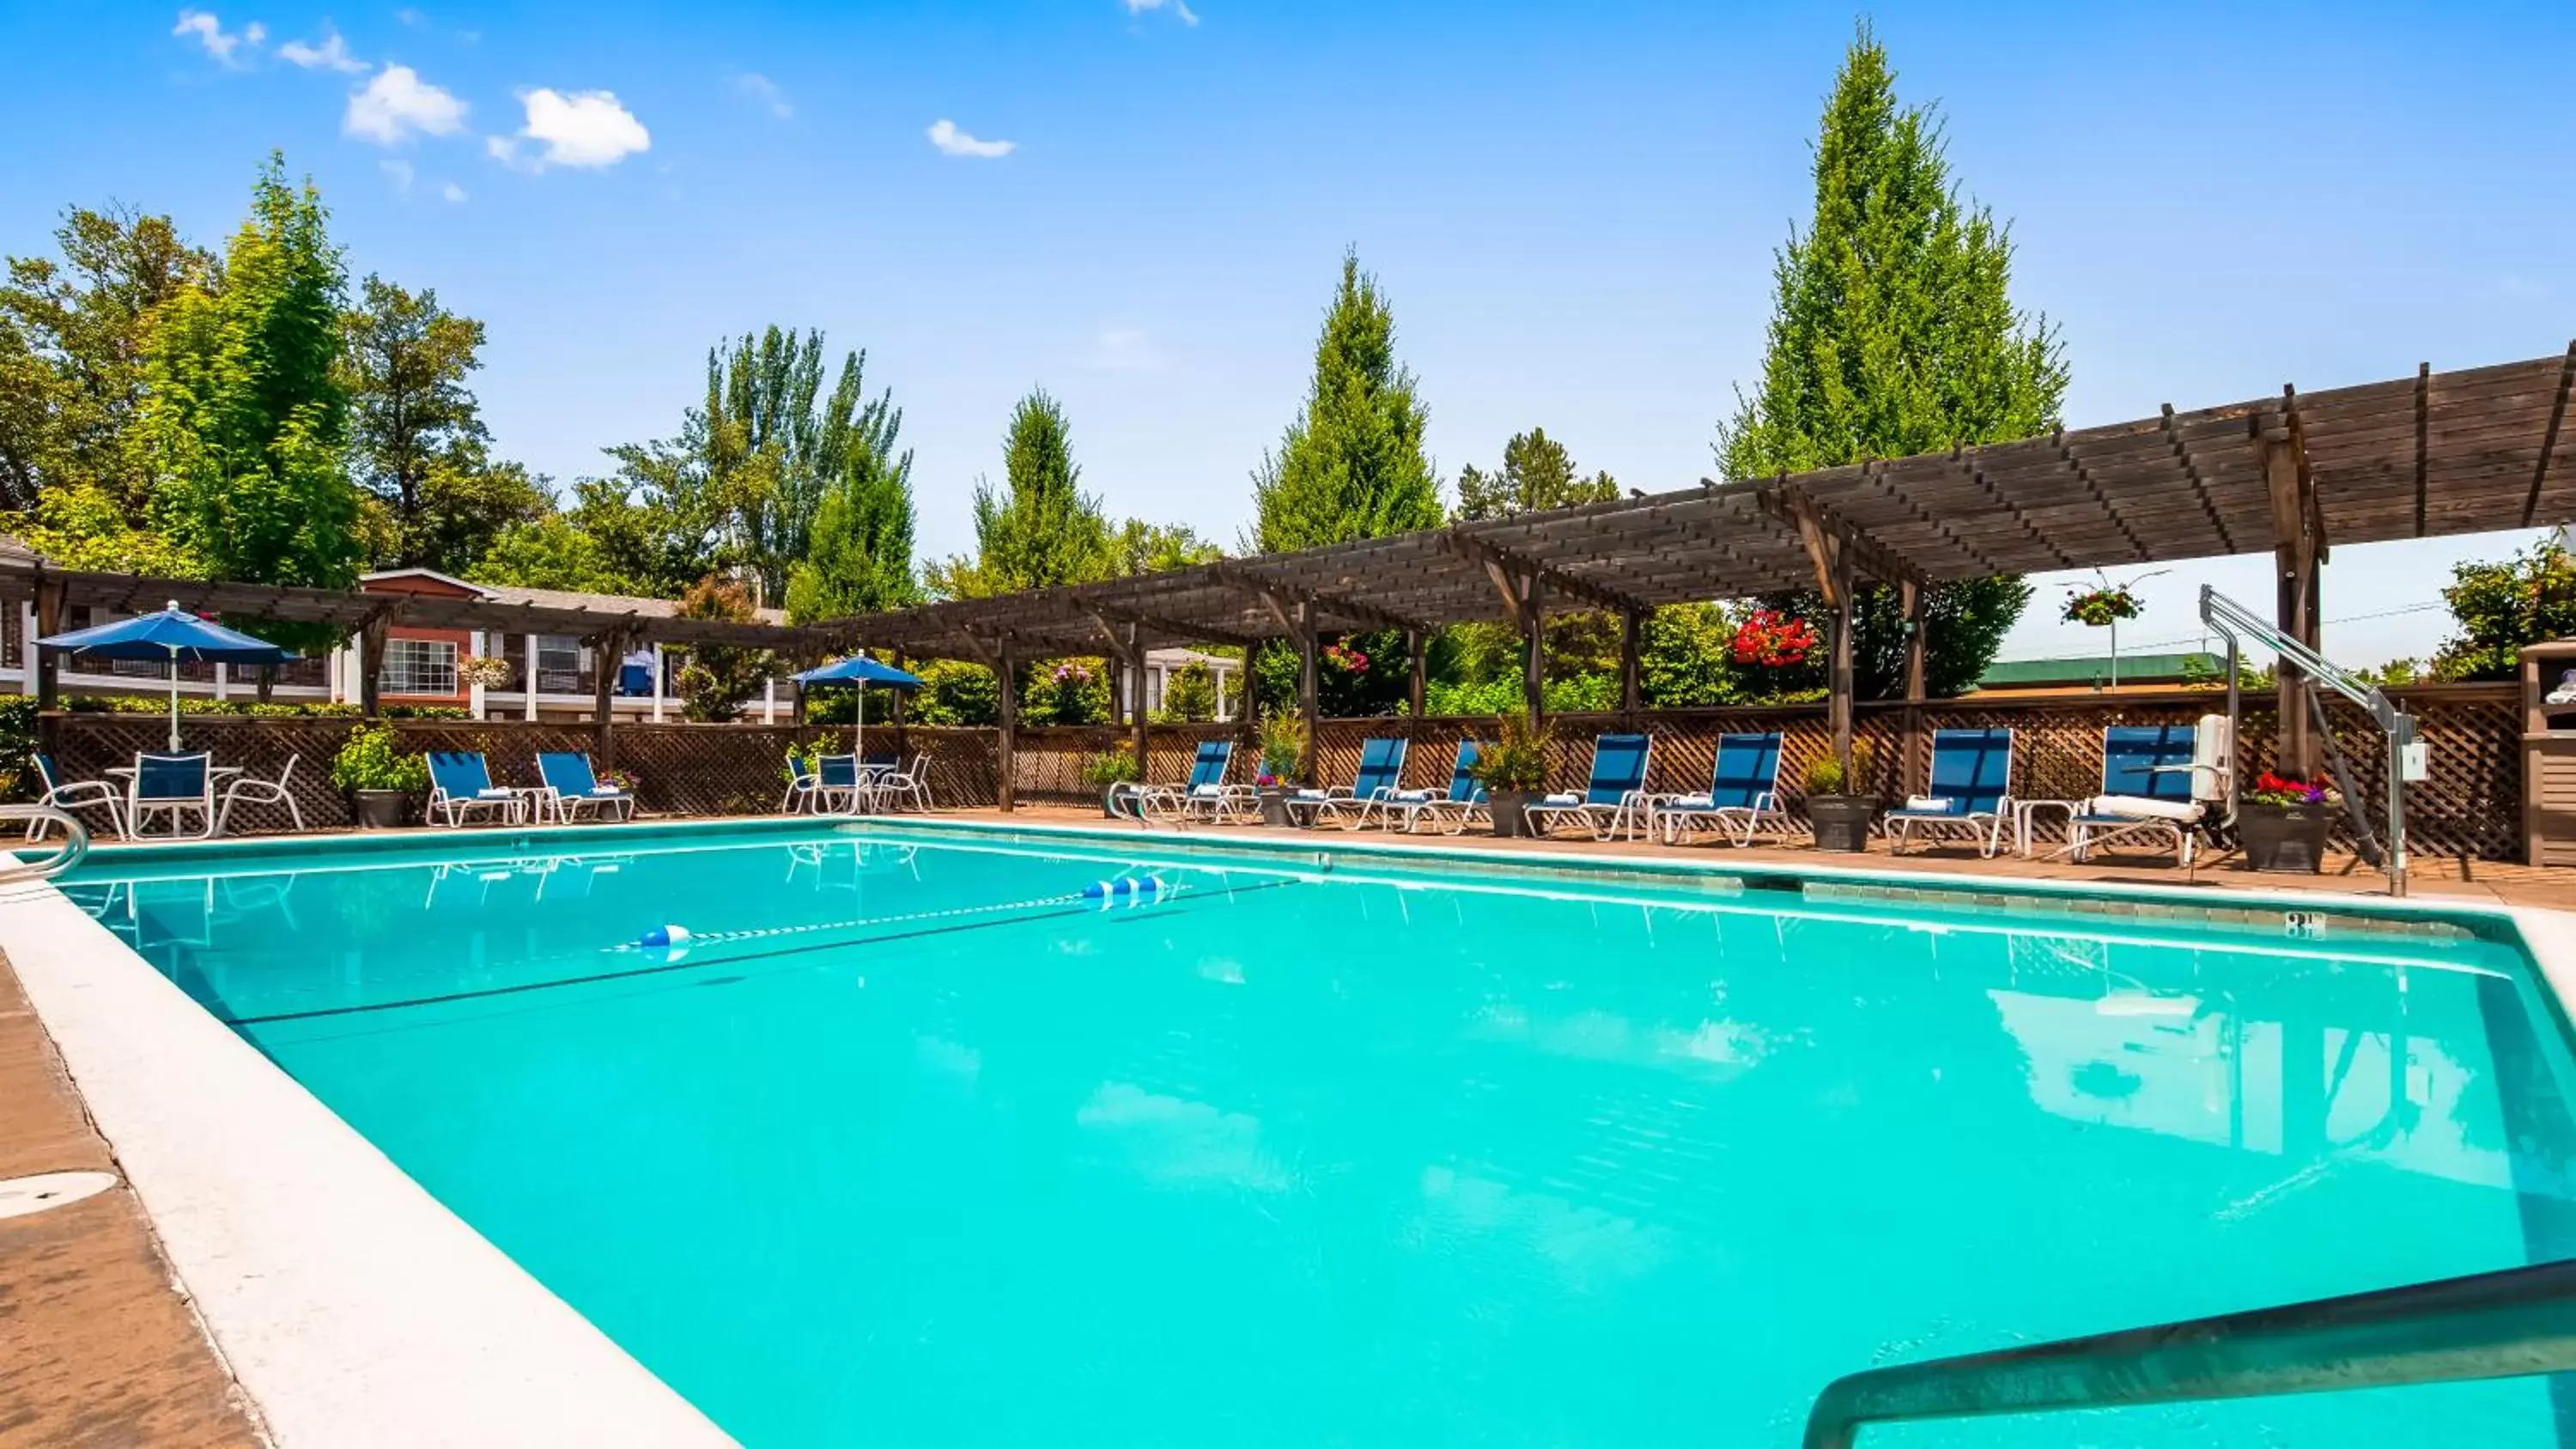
(351, 1306)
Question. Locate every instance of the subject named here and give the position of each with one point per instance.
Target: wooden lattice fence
(2470, 807)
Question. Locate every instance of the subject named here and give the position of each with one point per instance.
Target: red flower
(1773, 639)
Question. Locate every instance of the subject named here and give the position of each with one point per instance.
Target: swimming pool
(914, 1140)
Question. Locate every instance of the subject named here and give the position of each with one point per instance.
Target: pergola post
(51, 605)
(2297, 549)
(1630, 621)
(1135, 667)
(610, 647)
(371, 663)
(1839, 708)
(1004, 739)
(1307, 686)
(1909, 596)
(1533, 652)
(1415, 669)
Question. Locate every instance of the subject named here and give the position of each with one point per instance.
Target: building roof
(2091, 669)
(638, 606)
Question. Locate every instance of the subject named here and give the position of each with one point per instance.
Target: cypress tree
(1040, 529)
(1895, 333)
(1351, 466)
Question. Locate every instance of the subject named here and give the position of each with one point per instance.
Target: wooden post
(1909, 596)
(1249, 715)
(1839, 708)
(894, 712)
(1533, 653)
(1004, 738)
(1308, 686)
(2294, 555)
(1136, 706)
(371, 663)
(607, 651)
(52, 602)
(1415, 648)
(1117, 681)
(1630, 622)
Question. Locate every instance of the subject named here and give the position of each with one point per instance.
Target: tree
(1152, 548)
(553, 552)
(1351, 466)
(1041, 530)
(1894, 333)
(1189, 694)
(1537, 473)
(417, 439)
(2498, 607)
(720, 678)
(243, 426)
(72, 338)
(779, 449)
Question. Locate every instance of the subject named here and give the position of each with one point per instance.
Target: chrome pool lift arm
(2232, 619)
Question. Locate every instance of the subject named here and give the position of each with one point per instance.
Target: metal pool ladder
(2498, 1325)
(15, 866)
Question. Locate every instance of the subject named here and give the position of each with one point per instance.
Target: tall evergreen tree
(1040, 529)
(1351, 465)
(243, 424)
(777, 446)
(1537, 473)
(1895, 333)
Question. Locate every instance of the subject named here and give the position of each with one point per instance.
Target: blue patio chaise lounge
(1971, 792)
(572, 788)
(1381, 770)
(1614, 800)
(1743, 794)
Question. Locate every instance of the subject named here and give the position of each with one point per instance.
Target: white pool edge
(351, 1306)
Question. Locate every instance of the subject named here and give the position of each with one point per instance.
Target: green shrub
(374, 759)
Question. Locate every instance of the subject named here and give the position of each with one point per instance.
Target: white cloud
(331, 54)
(451, 192)
(1124, 349)
(764, 90)
(585, 128)
(401, 173)
(1180, 9)
(398, 105)
(411, 18)
(219, 42)
(951, 141)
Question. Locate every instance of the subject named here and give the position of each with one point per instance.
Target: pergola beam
(2548, 446)
(1574, 586)
(1818, 525)
(2191, 474)
(1280, 596)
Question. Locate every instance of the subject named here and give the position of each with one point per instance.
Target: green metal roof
(2140, 668)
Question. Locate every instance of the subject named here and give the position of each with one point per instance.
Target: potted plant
(1283, 752)
(2282, 823)
(1513, 770)
(489, 671)
(1113, 773)
(1836, 807)
(379, 778)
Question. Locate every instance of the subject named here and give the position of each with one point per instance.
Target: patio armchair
(461, 789)
(74, 796)
(1380, 771)
(890, 784)
(572, 787)
(174, 786)
(1743, 794)
(1971, 792)
(251, 790)
(1614, 801)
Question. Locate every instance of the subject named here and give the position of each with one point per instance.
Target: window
(419, 666)
(559, 664)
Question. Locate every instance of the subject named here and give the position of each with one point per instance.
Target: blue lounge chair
(1743, 793)
(1971, 791)
(572, 787)
(73, 796)
(461, 789)
(2153, 785)
(837, 779)
(1463, 803)
(1205, 795)
(1614, 800)
(172, 785)
(1381, 771)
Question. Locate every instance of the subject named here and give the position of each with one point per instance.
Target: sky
(1141, 205)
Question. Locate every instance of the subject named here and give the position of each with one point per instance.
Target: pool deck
(107, 1347)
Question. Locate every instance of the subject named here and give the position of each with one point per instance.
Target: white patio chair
(250, 790)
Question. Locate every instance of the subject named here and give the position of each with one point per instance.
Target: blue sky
(1573, 208)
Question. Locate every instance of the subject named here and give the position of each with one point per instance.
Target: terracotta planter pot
(1842, 821)
(381, 809)
(2286, 838)
(1510, 809)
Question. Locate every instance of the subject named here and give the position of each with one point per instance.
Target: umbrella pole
(174, 699)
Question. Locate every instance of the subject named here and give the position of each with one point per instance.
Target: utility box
(2549, 753)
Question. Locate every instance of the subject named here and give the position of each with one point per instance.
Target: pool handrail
(2505, 1324)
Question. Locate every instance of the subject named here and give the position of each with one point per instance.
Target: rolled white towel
(1694, 802)
(1933, 804)
(1568, 798)
(2140, 807)
(495, 793)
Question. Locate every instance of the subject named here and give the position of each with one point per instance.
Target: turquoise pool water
(914, 1144)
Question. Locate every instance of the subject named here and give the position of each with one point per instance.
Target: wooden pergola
(2293, 475)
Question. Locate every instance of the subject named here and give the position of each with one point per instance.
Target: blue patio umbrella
(859, 672)
(166, 638)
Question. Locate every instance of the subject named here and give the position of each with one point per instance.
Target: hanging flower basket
(2102, 607)
(1773, 640)
(485, 670)
(1346, 659)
